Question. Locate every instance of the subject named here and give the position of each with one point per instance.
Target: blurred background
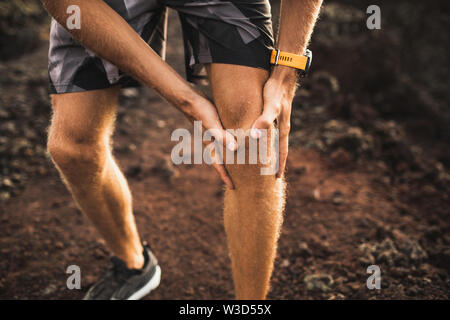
(368, 170)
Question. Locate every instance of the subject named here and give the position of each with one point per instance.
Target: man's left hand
(278, 93)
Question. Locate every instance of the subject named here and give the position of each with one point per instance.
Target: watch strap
(287, 59)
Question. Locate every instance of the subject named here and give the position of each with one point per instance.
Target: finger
(230, 141)
(223, 173)
(219, 167)
(264, 121)
(284, 143)
(211, 122)
(283, 153)
(223, 138)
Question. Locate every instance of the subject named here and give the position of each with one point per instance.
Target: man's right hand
(202, 109)
(107, 34)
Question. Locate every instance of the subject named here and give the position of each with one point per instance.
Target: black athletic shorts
(214, 31)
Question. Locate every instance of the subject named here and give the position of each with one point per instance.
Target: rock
(384, 251)
(7, 183)
(322, 282)
(354, 286)
(399, 272)
(304, 250)
(366, 256)
(285, 263)
(130, 92)
(316, 194)
(99, 254)
(19, 145)
(326, 79)
(353, 140)
(363, 222)
(338, 296)
(429, 190)
(340, 281)
(160, 123)
(413, 250)
(49, 290)
(407, 250)
(340, 157)
(332, 125)
(28, 152)
(42, 170)
(337, 197)
(387, 252)
(344, 289)
(9, 127)
(4, 195)
(132, 147)
(399, 236)
(4, 114)
(412, 291)
(59, 245)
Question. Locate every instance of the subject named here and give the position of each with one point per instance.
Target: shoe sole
(151, 285)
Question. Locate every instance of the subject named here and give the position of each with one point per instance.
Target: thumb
(264, 121)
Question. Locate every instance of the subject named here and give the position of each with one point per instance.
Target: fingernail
(231, 145)
(255, 133)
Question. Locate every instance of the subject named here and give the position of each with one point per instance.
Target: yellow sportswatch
(297, 61)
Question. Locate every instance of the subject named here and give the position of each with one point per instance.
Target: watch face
(308, 54)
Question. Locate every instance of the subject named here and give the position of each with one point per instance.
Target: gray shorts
(214, 31)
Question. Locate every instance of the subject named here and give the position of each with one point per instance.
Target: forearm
(297, 21)
(108, 35)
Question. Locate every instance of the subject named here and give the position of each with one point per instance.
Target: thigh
(84, 117)
(229, 32)
(237, 92)
(73, 68)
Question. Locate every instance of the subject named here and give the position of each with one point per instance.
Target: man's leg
(253, 211)
(79, 144)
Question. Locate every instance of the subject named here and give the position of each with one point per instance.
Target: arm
(109, 36)
(297, 21)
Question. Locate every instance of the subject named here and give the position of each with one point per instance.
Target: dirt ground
(364, 187)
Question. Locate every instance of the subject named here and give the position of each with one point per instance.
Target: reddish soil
(179, 212)
(344, 212)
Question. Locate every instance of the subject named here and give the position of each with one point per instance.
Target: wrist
(285, 78)
(284, 75)
(186, 100)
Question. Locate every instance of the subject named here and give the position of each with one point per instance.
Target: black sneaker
(121, 283)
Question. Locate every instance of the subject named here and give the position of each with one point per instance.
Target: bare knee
(251, 175)
(241, 109)
(74, 157)
(82, 123)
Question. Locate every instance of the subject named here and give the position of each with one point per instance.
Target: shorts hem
(206, 59)
(62, 88)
